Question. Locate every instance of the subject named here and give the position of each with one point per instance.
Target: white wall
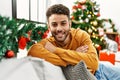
(6, 8)
(110, 9)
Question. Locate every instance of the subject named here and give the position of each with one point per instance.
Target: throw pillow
(78, 72)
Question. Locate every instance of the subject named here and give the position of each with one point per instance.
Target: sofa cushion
(78, 72)
(29, 68)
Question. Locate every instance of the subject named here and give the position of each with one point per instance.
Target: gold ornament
(90, 12)
(90, 30)
(91, 22)
(96, 45)
(95, 23)
(87, 12)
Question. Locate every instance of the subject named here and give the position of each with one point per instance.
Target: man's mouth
(60, 35)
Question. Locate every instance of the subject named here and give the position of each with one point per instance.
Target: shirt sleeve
(38, 50)
(72, 57)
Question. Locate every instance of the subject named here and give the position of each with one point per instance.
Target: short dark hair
(58, 9)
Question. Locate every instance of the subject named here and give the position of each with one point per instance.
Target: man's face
(59, 25)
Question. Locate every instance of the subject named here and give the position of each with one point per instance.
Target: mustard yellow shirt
(67, 54)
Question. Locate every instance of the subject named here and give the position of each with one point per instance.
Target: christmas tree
(85, 16)
(15, 34)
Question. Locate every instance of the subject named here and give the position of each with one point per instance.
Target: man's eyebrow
(64, 21)
(53, 22)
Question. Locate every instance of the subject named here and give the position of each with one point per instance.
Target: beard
(60, 36)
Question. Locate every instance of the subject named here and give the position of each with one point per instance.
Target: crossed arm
(47, 52)
(73, 57)
(64, 57)
(50, 47)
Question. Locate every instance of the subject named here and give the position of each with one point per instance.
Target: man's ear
(48, 26)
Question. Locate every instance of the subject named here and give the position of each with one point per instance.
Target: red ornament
(73, 18)
(22, 42)
(45, 34)
(10, 54)
(79, 6)
(74, 7)
(39, 32)
(98, 15)
(99, 48)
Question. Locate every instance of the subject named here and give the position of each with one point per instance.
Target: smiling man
(66, 46)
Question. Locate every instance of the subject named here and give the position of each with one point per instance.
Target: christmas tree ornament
(79, 17)
(81, 21)
(91, 22)
(22, 42)
(89, 30)
(39, 32)
(87, 12)
(90, 12)
(45, 35)
(102, 39)
(86, 20)
(10, 54)
(98, 15)
(93, 15)
(79, 6)
(72, 17)
(95, 23)
(74, 7)
(79, 9)
(89, 16)
(99, 48)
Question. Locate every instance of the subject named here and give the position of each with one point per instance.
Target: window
(32, 10)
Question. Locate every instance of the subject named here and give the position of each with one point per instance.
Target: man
(66, 46)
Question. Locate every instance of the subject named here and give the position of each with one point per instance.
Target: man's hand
(82, 49)
(50, 47)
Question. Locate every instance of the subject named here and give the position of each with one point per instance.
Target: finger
(85, 46)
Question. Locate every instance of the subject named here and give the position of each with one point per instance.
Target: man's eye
(63, 24)
(54, 25)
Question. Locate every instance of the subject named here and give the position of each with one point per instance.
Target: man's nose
(59, 28)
